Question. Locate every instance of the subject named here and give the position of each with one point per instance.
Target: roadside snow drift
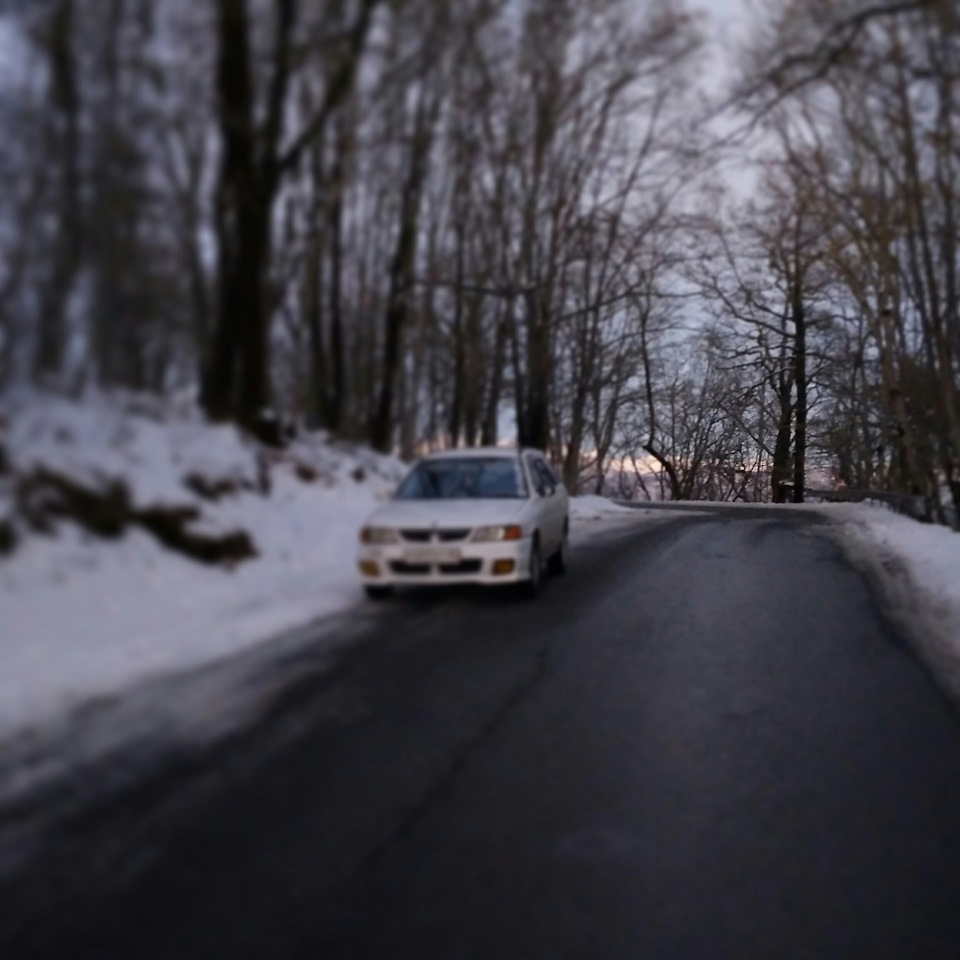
(85, 615)
(917, 569)
(598, 508)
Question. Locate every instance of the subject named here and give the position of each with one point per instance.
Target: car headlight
(497, 534)
(378, 535)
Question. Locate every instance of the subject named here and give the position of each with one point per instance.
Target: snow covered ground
(105, 642)
(84, 618)
(917, 570)
(592, 517)
(588, 509)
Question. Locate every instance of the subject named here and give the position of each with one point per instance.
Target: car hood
(447, 513)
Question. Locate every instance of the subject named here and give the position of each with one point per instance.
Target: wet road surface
(703, 743)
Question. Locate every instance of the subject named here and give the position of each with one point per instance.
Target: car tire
(531, 588)
(378, 593)
(559, 562)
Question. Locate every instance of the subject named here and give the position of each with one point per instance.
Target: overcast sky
(729, 23)
(726, 11)
(729, 27)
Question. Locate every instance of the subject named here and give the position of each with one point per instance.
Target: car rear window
(469, 478)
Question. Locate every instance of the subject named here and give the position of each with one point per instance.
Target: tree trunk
(781, 462)
(536, 427)
(800, 359)
(491, 426)
(253, 314)
(312, 308)
(401, 275)
(676, 488)
(237, 198)
(571, 462)
(237, 382)
(337, 387)
(65, 148)
(473, 367)
(459, 346)
(781, 451)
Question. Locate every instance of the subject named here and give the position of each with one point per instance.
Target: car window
(546, 476)
(550, 472)
(543, 478)
(467, 478)
(535, 477)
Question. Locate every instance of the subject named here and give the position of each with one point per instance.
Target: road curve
(704, 742)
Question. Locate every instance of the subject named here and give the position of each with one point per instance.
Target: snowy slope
(85, 617)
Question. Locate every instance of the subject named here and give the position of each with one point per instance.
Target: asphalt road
(703, 743)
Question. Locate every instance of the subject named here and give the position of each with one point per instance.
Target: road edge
(918, 616)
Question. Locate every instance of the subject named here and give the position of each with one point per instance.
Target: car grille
(416, 536)
(459, 569)
(426, 536)
(453, 536)
(410, 569)
(447, 569)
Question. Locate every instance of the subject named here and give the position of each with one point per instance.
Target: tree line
(427, 223)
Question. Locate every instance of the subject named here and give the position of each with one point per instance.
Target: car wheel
(559, 562)
(531, 587)
(378, 593)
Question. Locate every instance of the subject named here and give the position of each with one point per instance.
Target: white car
(489, 515)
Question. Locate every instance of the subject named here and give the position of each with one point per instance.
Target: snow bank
(589, 508)
(85, 618)
(593, 517)
(917, 568)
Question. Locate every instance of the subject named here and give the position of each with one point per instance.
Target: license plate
(432, 556)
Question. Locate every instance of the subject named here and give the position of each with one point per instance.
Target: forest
(685, 271)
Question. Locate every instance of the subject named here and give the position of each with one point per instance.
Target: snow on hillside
(84, 616)
(917, 568)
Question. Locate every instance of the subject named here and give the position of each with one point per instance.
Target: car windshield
(467, 478)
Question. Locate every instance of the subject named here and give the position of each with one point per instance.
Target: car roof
(478, 452)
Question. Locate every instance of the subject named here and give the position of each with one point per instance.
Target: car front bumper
(405, 565)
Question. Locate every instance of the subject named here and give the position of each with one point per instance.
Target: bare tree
(256, 158)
